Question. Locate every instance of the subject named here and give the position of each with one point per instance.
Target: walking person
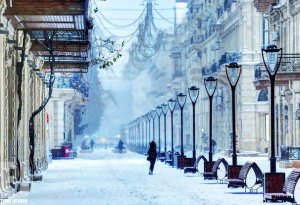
(120, 146)
(92, 144)
(152, 156)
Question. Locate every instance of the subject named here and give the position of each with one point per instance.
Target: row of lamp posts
(233, 72)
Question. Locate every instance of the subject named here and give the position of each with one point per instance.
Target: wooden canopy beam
(67, 65)
(64, 46)
(45, 7)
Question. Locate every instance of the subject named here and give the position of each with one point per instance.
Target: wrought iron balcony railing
(227, 57)
(197, 39)
(289, 64)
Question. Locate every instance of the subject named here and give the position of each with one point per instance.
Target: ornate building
(215, 34)
(36, 40)
(282, 22)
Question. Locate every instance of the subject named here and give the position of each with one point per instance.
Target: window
(263, 96)
(265, 30)
(286, 119)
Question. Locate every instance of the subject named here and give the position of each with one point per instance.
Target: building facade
(282, 18)
(26, 66)
(214, 34)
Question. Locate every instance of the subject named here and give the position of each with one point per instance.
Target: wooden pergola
(67, 19)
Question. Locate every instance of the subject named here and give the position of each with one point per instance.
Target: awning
(67, 19)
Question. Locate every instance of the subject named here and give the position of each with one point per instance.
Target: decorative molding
(2, 8)
(263, 6)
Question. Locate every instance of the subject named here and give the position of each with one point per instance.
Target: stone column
(289, 98)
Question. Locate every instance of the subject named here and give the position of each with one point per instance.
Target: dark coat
(152, 151)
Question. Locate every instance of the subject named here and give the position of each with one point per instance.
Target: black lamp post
(272, 65)
(158, 112)
(146, 129)
(149, 122)
(135, 134)
(181, 98)
(131, 136)
(142, 135)
(172, 104)
(165, 111)
(153, 115)
(194, 93)
(233, 72)
(138, 134)
(210, 86)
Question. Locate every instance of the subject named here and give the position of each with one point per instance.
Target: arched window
(286, 119)
(263, 96)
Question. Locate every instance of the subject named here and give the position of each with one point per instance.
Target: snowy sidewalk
(107, 178)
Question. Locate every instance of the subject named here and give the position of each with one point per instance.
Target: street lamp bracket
(172, 104)
(210, 85)
(233, 72)
(181, 98)
(193, 93)
(273, 62)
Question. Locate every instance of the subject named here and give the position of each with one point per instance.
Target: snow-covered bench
(161, 156)
(212, 173)
(288, 188)
(169, 159)
(194, 168)
(241, 181)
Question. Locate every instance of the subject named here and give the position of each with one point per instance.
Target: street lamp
(181, 98)
(137, 133)
(172, 104)
(194, 93)
(210, 87)
(158, 112)
(146, 130)
(149, 122)
(142, 134)
(165, 111)
(135, 124)
(153, 115)
(233, 72)
(272, 65)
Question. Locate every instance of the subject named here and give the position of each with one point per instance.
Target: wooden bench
(288, 188)
(194, 168)
(161, 156)
(180, 161)
(241, 181)
(213, 173)
(169, 159)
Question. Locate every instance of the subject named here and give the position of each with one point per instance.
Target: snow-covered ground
(108, 178)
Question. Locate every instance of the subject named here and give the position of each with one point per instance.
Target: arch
(213, 174)
(195, 169)
(216, 167)
(263, 96)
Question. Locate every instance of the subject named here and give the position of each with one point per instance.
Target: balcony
(227, 57)
(197, 39)
(289, 70)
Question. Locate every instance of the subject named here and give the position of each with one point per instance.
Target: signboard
(263, 6)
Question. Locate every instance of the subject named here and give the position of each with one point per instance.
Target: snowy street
(108, 178)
